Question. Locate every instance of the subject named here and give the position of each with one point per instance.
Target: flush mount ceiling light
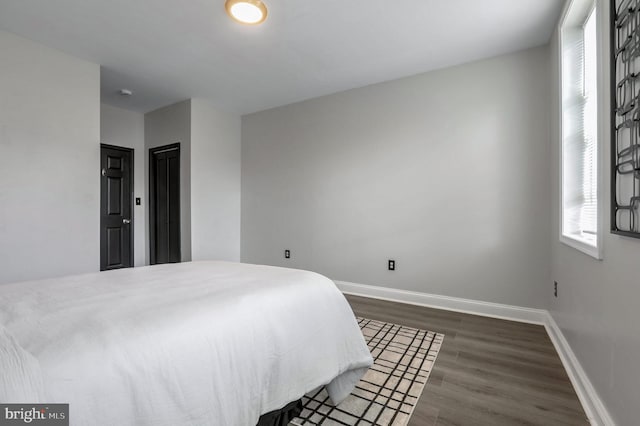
(250, 12)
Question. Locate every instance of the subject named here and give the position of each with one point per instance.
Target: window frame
(586, 8)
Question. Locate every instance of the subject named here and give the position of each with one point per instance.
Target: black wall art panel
(625, 117)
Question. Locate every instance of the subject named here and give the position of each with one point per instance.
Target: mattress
(198, 343)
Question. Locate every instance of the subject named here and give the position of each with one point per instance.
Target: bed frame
(283, 416)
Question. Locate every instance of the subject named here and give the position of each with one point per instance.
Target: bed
(197, 343)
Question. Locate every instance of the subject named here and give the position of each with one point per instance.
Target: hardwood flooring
(488, 372)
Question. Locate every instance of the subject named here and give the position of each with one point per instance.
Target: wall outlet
(555, 288)
(392, 265)
(287, 254)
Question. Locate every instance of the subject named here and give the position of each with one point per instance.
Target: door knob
(126, 221)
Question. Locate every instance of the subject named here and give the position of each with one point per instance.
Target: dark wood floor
(488, 372)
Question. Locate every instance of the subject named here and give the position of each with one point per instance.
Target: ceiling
(170, 50)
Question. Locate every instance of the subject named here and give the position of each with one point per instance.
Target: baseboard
(594, 408)
(591, 402)
(456, 304)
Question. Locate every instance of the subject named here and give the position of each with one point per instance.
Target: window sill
(588, 249)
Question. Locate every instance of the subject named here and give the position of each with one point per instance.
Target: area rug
(388, 393)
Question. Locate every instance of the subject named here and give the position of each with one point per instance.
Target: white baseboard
(456, 304)
(591, 402)
(594, 408)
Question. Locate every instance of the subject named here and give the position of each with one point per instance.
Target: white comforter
(201, 343)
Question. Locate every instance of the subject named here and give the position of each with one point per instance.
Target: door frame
(131, 201)
(152, 200)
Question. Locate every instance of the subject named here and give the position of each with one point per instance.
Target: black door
(116, 207)
(164, 204)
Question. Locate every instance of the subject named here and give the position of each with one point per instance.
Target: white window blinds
(580, 130)
(589, 212)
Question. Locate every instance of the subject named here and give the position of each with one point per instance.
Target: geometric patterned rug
(388, 392)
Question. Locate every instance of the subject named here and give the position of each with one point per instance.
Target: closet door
(164, 198)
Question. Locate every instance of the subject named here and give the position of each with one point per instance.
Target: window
(580, 221)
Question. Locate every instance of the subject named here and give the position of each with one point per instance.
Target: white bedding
(200, 343)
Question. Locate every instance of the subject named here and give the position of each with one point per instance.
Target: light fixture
(125, 92)
(250, 12)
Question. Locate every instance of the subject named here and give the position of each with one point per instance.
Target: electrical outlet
(287, 254)
(555, 288)
(392, 265)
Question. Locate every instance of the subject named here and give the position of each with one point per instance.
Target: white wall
(446, 172)
(597, 304)
(49, 167)
(126, 129)
(215, 183)
(165, 126)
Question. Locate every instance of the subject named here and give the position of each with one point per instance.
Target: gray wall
(165, 126)
(597, 305)
(126, 128)
(215, 183)
(210, 175)
(49, 167)
(446, 172)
